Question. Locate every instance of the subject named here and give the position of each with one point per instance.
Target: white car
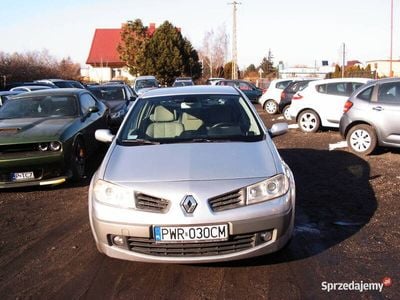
(271, 98)
(322, 102)
(143, 84)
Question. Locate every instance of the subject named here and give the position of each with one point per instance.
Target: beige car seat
(163, 124)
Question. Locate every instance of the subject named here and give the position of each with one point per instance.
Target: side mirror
(278, 129)
(104, 135)
(93, 109)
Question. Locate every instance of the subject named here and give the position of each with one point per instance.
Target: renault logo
(189, 204)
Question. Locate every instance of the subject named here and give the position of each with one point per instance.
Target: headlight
(52, 146)
(269, 189)
(43, 146)
(55, 146)
(112, 194)
(118, 114)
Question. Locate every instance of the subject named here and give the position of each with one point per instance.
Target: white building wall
(382, 67)
(98, 74)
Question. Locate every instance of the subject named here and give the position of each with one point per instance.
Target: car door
(385, 112)
(90, 122)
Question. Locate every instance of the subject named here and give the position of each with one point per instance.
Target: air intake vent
(150, 203)
(227, 201)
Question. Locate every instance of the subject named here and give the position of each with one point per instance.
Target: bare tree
(213, 52)
(34, 65)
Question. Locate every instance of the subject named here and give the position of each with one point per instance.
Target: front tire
(271, 107)
(362, 139)
(78, 160)
(309, 121)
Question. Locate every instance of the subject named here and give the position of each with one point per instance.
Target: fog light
(118, 240)
(266, 236)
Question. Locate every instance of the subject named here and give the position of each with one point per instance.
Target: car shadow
(334, 201)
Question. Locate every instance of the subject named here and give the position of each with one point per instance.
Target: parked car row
(365, 111)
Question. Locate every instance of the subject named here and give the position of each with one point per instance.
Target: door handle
(378, 108)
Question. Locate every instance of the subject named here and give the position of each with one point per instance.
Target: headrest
(161, 114)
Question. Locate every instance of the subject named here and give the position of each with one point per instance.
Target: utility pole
(344, 59)
(391, 39)
(234, 41)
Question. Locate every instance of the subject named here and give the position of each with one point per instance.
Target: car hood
(32, 129)
(190, 161)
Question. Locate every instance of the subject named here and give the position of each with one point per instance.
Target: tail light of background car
(264, 90)
(347, 106)
(283, 95)
(297, 96)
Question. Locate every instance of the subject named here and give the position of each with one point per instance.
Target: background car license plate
(22, 176)
(192, 233)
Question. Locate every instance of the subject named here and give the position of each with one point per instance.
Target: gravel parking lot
(347, 229)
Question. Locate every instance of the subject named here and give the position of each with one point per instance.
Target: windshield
(197, 118)
(108, 93)
(39, 107)
(145, 83)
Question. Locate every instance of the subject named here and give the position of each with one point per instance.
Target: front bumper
(48, 169)
(281, 228)
(245, 223)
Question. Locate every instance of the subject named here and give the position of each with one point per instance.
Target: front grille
(227, 201)
(16, 148)
(150, 203)
(235, 243)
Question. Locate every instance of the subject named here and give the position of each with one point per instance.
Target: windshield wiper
(140, 142)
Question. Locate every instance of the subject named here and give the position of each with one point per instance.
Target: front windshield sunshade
(190, 118)
(39, 107)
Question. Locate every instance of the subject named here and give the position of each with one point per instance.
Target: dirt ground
(347, 229)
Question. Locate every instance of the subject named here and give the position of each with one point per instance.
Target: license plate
(22, 176)
(191, 233)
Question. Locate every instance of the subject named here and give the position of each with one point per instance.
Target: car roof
(146, 77)
(193, 89)
(52, 92)
(108, 85)
(347, 79)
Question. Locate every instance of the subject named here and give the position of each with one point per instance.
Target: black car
(62, 83)
(47, 136)
(117, 97)
(288, 93)
(11, 85)
(249, 89)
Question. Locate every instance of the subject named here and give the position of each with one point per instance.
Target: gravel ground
(347, 229)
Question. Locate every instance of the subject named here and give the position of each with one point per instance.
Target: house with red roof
(103, 60)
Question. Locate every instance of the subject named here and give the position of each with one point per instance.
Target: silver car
(371, 117)
(192, 176)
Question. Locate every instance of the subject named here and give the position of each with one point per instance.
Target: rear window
(283, 84)
(366, 94)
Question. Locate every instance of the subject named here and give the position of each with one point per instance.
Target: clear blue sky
(297, 32)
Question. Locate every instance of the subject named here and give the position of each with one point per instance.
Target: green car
(47, 136)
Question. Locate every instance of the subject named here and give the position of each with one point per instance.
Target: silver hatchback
(371, 116)
(192, 176)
